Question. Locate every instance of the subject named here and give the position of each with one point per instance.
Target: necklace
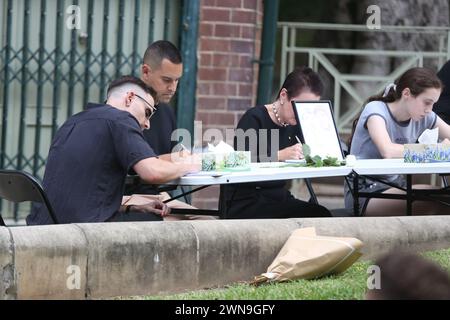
(275, 111)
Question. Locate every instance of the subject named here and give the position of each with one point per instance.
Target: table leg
(186, 193)
(222, 203)
(356, 195)
(409, 196)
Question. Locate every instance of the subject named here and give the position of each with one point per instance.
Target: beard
(165, 98)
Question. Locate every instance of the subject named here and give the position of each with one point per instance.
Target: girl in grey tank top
(387, 122)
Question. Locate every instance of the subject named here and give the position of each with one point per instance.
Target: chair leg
(444, 179)
(313, 198)
(2, 223)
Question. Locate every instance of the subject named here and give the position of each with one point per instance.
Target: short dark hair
(128, 79)
(302, 79)
(160, 50)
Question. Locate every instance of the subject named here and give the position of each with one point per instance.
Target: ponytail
(416, 79)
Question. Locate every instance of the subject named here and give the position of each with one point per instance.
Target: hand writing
(294, 152)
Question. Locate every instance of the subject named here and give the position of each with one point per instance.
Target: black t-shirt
(88, 161)
(162, 125)
(258, 118)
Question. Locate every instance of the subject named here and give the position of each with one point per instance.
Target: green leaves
(330, 161)
(306, 150)
(317, 161)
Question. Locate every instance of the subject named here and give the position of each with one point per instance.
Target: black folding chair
(19, 186)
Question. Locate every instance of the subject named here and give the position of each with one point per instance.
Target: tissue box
(420, 153)
(237, 160)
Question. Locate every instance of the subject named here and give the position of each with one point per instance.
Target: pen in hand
(300, 143)
(184, 148)
(183, 151)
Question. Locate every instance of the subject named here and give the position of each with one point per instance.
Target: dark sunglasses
(149, 110)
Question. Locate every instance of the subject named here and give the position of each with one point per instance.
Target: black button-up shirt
(87, 165)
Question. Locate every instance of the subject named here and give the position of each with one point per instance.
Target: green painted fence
(49, 69)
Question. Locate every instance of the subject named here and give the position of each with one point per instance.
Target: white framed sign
(317, 125)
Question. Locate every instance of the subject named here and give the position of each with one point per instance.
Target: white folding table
(259, 172)
(376, 167)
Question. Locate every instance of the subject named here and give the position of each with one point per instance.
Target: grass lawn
(349, 285)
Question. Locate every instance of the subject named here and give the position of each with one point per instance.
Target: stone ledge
(7, 278)
(144, 258)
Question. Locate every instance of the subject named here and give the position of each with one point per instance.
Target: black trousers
(134, 216)
(269, 204)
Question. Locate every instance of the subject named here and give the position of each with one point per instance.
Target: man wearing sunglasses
(93, 152)
(149, 109)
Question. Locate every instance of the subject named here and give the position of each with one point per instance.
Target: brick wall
(229, 39)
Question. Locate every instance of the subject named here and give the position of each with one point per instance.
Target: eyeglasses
(149, 110)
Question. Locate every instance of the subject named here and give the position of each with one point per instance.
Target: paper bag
(307, 256)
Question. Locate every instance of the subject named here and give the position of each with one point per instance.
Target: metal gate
(56, 55)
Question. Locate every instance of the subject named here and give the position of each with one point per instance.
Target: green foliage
(317, 161)
(306, 150)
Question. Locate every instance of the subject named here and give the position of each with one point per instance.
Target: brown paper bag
(307, 256)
